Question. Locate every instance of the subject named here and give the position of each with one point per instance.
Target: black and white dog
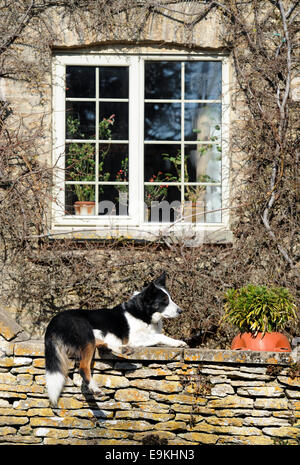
(136, 323)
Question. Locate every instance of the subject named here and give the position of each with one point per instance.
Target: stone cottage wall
(176, 396)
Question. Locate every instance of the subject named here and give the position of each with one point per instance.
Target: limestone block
(110, 381)
(157, 385)
(147, 372)
(6, 430)
(246, 440)
(262, 391)
(200, 438)
(6, 348)
(131, 395)
(269, 421)
(51, 433)
(7, 378)
(293, 394)
(272, 404)
(12, 420)
(61, 422)
(219, 429)
(293, 382)
(170, 425)
(31, 348)
(30, 403)
(231, 402)
(9, 328)
(282, 432)
(222, 390)
(137, 414)
(21, 439)
(129, 425)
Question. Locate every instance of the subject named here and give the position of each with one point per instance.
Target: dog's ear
(161, 280)
(148, 293)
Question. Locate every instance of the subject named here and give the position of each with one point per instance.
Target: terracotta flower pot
(84, 208)
(271, 342)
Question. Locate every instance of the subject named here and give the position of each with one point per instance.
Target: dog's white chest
(140, 333)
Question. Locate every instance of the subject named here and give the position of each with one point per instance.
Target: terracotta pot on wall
(84, 208)
(271, 342)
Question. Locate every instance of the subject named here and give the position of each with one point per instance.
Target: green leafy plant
(259, 308)
(80, 160)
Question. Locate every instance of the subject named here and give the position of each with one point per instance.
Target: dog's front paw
(181, 344)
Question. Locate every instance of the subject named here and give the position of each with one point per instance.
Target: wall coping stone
(10, 329)
(36, 348)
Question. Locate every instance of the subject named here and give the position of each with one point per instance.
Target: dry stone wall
(172, 396)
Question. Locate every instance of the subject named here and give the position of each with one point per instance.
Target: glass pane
(80, 82)
(162, 162)
(163, 80)
(113, 82)
(113, 162)
(80, 120)
(203, 80)
(203, 163)
(162, 203)
(202, 121)
(162, 121)
(80, 162)
(202, 204)
(117, 113)
(79, 193)
(113, 200)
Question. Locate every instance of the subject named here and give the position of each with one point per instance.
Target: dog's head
(157, 301)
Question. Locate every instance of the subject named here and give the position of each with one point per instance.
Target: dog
(135, 323)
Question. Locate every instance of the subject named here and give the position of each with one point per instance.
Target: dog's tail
(56, 360)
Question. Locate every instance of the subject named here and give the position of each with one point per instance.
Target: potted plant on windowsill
(260, 313)
(80, 164)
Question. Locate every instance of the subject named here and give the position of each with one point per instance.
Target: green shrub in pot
(257, 309)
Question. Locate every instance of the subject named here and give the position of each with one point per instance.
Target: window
(140, 142)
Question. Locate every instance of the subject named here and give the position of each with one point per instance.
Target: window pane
(80, 82)
(162, 80)
(203, 163)
(80, 120)
(199, 201)
(80, 162)
(113, 200)
(203, 80)
(113, 162)
(163, 203)
(79, 192)
(113, 82)
(162, 121)
(162, 162)
(202, 121)
(118, 113)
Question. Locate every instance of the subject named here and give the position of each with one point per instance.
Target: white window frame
(134, 224)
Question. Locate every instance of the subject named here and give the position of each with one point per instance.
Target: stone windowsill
(36, 348)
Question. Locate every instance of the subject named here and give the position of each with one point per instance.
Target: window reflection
(162, 80)
(80, 81)
(202, 121)
(203, 80)
(162, 121)
(113, 82)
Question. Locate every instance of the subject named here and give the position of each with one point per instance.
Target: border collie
(136, 323)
